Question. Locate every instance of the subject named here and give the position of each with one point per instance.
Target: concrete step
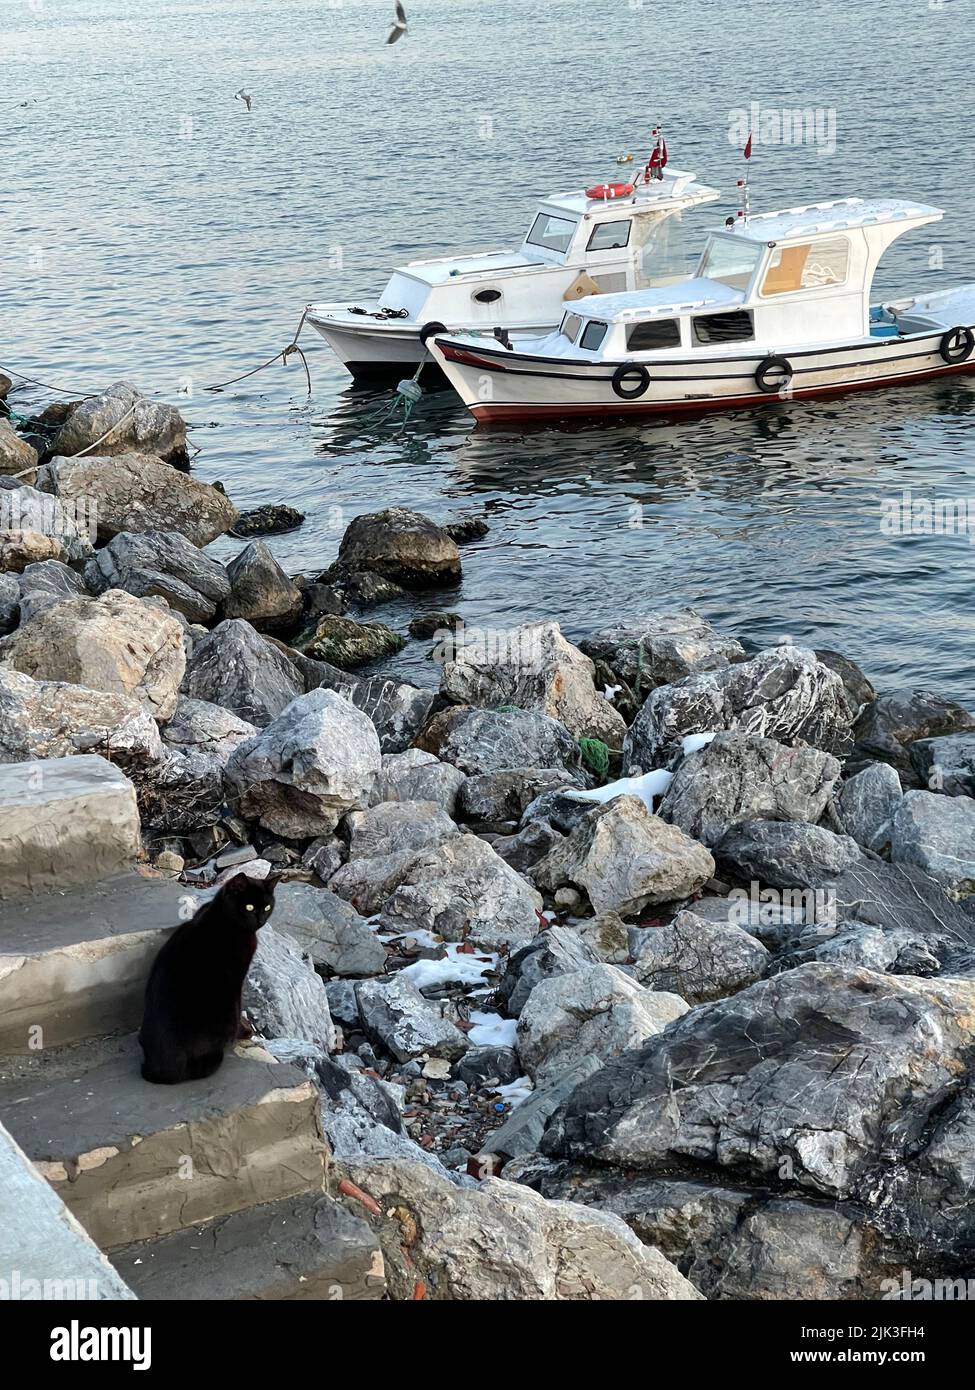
(65, 821)
(306, 1247)
(133, 1161)
(73, 963)
(44, 1253)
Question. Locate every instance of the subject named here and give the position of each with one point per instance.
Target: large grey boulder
(236, 668)
(398, 710)
(396, 826)
(69, 524)
(481, 740)
(401, 545)
(114, 643)
(866, 804)
(783, 694)
(859, 689)
(697, 959)
(539, 1250)
(260, 591)
(556, 951)
(138, 492)
(906, 903)
(362, 1119)
(625, 859)
(313, 763)
(785, 854)
(804, 1074)
(887, 728)
(16, 455)
(938, 834)
(740, 777)
(283, 997)
(732, 1242)
(498, 798)
(531, 667)
(398, 1018)
(595, 1012)
(368, 883)
(200, 727)
(129, 420)
(44, 584)
(328, 930)
(345, 643)
(18, 549)
(414, 775)
(662, 647)
(946, 764)
(160, 563)
(464, 891)
(9, 603)
(55, 719)
(522, 1131)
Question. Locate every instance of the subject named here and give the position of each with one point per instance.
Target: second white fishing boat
(779, 307)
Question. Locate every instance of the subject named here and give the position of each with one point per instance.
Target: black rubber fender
(630, 369)
(773, 366)
(429, 329)
(956, 345)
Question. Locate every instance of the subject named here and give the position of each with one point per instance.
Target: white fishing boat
(779, 308)
(587, 243)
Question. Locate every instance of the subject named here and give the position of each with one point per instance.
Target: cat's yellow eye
(249, 906)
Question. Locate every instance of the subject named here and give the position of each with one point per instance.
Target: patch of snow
(516, 1091)
(491, 1030)
(455, 968)
(648, 786)
(692, 743)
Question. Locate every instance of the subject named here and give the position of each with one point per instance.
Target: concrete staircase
(214, 1189)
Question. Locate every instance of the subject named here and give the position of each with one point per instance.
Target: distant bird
(245, 97)
(399, 24)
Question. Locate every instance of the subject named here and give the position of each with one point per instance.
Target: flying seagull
(399, 24)
(245, 97)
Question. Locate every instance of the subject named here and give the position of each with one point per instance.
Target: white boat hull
(496, 385)
(374, 347)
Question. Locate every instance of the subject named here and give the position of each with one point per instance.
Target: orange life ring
(605, 191)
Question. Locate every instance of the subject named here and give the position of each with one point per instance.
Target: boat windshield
(731, 261)
(554, 233)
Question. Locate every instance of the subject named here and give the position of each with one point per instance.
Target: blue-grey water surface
(153, 230)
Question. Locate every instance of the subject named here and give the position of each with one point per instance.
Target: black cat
(192, 1009)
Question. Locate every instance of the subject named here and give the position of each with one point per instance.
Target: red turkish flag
(748, 146)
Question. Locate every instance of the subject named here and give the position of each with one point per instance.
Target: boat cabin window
(610, 236)
(570, 327)
(554, 233)
(736, 327)
(813, 265)
(731, 260)
(593, 335)
(658, 333)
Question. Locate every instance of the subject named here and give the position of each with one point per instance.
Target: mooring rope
(281, 356)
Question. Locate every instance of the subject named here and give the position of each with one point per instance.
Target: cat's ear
(240, 883)
(273, 881)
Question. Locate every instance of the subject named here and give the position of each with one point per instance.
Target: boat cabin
(803, 275)
(576, 247)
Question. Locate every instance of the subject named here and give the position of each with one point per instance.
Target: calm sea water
(153, 230)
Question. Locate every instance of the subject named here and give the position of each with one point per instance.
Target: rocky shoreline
(677, 940)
